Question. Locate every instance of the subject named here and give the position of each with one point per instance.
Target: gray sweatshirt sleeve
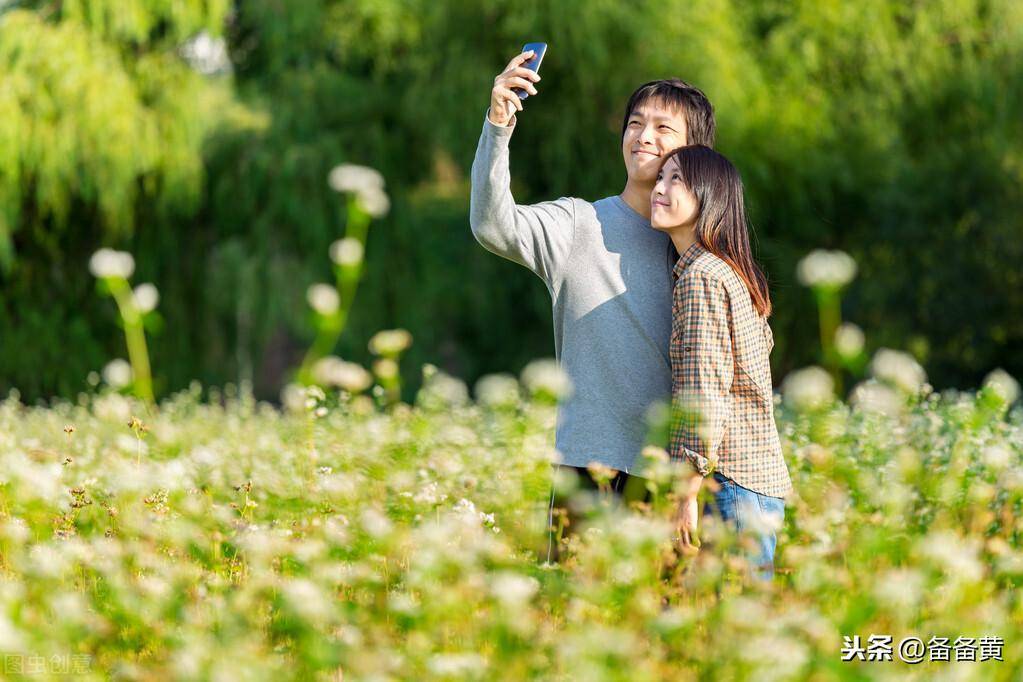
(538, 236)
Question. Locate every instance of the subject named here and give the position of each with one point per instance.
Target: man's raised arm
(538, 236)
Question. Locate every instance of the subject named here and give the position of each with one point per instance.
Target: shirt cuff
(701, 464)
(495, 129)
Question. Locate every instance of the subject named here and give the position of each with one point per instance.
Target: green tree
(888, 130)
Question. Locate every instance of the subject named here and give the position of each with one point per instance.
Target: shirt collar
(691, 253)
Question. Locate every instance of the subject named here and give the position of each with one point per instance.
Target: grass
(231, 540)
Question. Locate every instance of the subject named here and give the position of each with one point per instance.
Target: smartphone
(539, 50)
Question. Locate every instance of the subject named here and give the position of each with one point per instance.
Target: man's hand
(503, 102)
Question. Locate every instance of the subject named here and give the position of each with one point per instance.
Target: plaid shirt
(723, 416)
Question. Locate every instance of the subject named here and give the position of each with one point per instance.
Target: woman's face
(671, 203)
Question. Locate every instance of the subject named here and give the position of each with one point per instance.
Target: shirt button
(688, 348)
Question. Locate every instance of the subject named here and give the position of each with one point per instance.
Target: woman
(723, 416)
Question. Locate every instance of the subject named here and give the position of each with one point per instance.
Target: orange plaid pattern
(723, 401)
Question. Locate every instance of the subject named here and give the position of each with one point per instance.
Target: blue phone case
(533, 64)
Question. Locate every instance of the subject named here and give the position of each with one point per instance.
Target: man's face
(653, 130)
(671, 202)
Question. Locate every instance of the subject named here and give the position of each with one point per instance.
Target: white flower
(467, 512)
(441, 391)
(376, 523)
(366, 183)
(40, 481)
(546, 377)
(347, 251)
(456, 665)
(465, 506)
(11, 638)
(997, 456)
(349, 177)
(352, 377)
(899, 588)
(112, 407)
(634, 530)
(333, 371)
(402, 602)
(111, 263)
(497, 390)
(1002, 383)
(117, 373)
(313, 396)
(899, 369)
(206, 54)
(820, 268)
(654, 453)
(323, 298)
(956, 556)
(785, 657)
(513, 589)
(430, 495)
(374, 202)
(808, 388)
(46, 561)
(390, 342)
(307, 598)
(293, 397)
(15, 529)
(146, 297)
(204, 457)
(849, 340)
(386, 369)
(872, 396)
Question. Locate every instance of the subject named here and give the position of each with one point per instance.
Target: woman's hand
(503, 101)
(687, 520)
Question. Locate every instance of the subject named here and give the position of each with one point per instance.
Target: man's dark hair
(677, 94)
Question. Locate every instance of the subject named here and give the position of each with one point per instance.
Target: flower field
(225, 539)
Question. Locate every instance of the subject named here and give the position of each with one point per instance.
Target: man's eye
(668, 128)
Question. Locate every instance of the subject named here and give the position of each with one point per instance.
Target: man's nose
(647, 136)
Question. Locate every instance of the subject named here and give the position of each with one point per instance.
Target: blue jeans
(748, 511)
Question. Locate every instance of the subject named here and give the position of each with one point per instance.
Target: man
(609, 274)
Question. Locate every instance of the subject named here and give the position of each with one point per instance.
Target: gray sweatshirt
(610, 278)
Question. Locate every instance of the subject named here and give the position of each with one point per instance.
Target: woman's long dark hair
(722, 227)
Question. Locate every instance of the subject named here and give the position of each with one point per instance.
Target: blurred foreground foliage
(224, 539)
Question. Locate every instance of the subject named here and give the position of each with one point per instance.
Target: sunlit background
(198, 137)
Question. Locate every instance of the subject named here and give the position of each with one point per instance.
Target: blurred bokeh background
(198, 135)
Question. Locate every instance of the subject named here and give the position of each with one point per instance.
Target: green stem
(830, 308)
(135, 337)
(330, 328)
